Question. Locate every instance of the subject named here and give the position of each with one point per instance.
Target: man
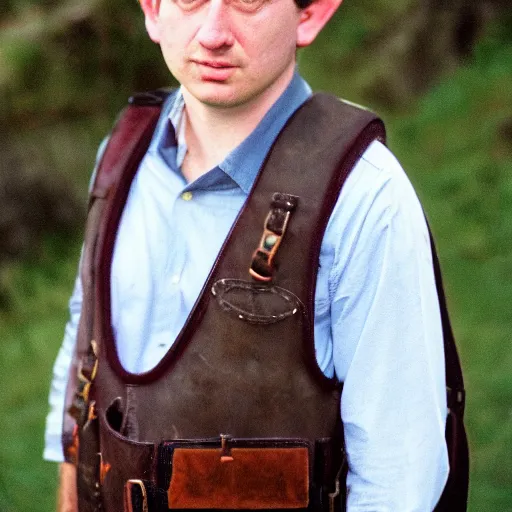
(377, 321)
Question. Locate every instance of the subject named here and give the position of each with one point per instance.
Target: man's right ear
(151, 9)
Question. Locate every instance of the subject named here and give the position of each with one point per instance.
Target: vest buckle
(335, 494)
(225, 454)
(135, 491)
(274, 228)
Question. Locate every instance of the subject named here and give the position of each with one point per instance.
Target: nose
(215, 32)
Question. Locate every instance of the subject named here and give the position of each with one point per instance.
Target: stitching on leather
(222, 287)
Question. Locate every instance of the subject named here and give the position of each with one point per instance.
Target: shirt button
(175, 279)
(186, 196)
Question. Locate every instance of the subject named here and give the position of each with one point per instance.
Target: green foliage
(457, 146)
(31, 334)
(68, 59)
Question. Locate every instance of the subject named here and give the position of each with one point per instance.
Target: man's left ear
(313, 18)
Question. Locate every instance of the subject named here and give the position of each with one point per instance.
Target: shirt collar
(244, 162)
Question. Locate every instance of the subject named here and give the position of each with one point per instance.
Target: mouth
(214, 70)
(215, 64)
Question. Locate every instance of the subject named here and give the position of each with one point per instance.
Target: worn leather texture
(249, 478)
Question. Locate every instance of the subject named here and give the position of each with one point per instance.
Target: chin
(218, 94)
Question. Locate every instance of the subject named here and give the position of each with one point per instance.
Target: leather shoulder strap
(127, 145)
(455, 494)
(129, 140)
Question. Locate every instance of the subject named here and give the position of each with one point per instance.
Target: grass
(31, 335)
(457, 147)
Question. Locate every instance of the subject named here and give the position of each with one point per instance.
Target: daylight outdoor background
(439, 71)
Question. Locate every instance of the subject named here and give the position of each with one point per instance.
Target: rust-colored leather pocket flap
(251, 478)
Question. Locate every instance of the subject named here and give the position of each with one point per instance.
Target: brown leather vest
(237, 415)
(241, 380)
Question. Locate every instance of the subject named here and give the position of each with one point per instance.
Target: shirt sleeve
(387, 341)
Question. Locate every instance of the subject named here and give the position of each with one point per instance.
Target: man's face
(228, 52)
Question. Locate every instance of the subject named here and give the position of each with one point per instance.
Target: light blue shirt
(377, 321)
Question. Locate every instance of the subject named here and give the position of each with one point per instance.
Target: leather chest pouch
(221, 473)
(237, 474)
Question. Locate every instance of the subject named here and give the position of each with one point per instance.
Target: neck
(212, 132)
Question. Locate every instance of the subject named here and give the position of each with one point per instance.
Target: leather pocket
(122, 459)
(244, 475)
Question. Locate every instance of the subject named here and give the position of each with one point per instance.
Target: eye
(189, 5)
(247, 5)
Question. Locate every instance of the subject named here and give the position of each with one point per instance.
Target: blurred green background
(439, 72)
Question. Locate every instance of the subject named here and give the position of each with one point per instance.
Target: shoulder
(377, 205)
(379, 177)
(377, 185)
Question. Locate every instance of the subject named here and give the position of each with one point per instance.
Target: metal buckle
(95, 351)
(87, 381)
(269, 243)
(455, 399)
(225, 454)
(94, 370)
(84, 393)
(140, 484)
(274, 228)
(336, 493)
